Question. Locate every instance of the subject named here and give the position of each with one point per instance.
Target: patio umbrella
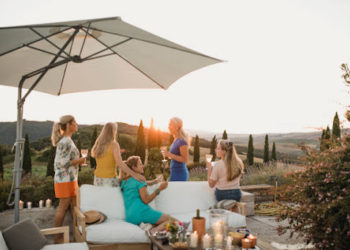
(86, 55)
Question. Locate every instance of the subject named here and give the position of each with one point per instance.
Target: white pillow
(108, 200)
(3, 245)
(185, 196)
(150, 190)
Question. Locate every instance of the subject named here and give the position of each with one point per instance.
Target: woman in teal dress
(136, 198)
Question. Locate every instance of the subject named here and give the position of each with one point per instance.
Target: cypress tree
(140, 148)
(213, 147)
(250, 153)
(151, 136)
(322, 140)
(273, 153)
(27, 160)
(336, 127)
(196, 153)
(224, 135)
(92, 142)
(50, 169)
(266, 149)
(1, 165)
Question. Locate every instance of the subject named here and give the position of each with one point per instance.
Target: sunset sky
(281, 71)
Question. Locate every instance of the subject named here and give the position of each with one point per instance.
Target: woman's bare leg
(59, 217)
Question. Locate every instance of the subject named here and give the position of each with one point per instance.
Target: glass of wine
(208, 157)
(84, 153)
(162, 150)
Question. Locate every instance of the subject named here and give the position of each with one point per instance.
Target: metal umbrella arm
(20, 103)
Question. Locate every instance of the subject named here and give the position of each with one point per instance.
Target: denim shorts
(231, 194)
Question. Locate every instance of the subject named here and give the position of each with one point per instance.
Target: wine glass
(162, 150)
(208, 157)
(84, 153)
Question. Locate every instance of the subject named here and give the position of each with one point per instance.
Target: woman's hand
(166, 154)
(163, 185)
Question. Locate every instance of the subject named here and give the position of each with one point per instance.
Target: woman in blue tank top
(178, 151)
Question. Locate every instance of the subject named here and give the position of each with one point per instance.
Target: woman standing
(66, 165)
(178, 151)
(227, 172)
(106, 151)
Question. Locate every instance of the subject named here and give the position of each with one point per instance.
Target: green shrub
(321, 194)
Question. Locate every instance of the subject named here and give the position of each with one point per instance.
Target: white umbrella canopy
(103, 54)
(86, 55)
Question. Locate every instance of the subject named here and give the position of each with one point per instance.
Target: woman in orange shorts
(66, 165)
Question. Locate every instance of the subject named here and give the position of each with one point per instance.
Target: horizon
(281, 72)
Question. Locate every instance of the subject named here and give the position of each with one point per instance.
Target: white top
(219, 175)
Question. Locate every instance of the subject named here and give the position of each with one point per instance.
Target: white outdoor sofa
(180, 200)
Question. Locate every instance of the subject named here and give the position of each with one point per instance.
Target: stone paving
(262, 226)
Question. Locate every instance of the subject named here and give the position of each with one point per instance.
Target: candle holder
(218, 221)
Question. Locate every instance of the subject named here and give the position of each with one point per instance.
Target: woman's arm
(147, 198)
(183, 157)
(122, 165)
(211, 182)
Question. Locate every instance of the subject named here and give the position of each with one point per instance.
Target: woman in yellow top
(106, 151)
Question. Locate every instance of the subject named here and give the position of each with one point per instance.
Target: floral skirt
(106, 182)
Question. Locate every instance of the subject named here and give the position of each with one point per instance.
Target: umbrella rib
(96, 57)
(24, 45)
(65, 69)
(46, 39)
(144, 73)
(82, 46)
(44, 51)
(168, 46)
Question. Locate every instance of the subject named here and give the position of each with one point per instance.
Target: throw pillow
(225, 204)
(2, 243)
(28, 233)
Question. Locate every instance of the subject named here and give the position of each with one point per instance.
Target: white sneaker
(145, 226)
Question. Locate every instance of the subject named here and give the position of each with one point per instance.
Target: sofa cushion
(108, 200)
(3, 245)
(150, 190)
(182, 197)
(67, 246)
(234, 219)
(115, 231)
(29, 234)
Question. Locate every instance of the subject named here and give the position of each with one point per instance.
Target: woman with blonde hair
(178, 151)
(226, 173)
(106, 151)
(66, 165)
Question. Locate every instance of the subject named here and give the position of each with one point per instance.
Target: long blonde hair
(106, 137)
(58, 127)
(234, 165)
(182, 134)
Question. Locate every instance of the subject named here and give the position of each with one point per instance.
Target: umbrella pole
(19, 150)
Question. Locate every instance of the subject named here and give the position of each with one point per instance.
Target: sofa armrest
(80, 222)
(57, 230)
(242, 208)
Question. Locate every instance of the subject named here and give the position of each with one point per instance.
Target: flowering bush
(320, 195)
(173, 226)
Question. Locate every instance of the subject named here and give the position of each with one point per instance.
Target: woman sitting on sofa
(136, 198)
(226, 173)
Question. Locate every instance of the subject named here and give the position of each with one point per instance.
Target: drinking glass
(162, 150)
(84, 153)
(208, 157)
